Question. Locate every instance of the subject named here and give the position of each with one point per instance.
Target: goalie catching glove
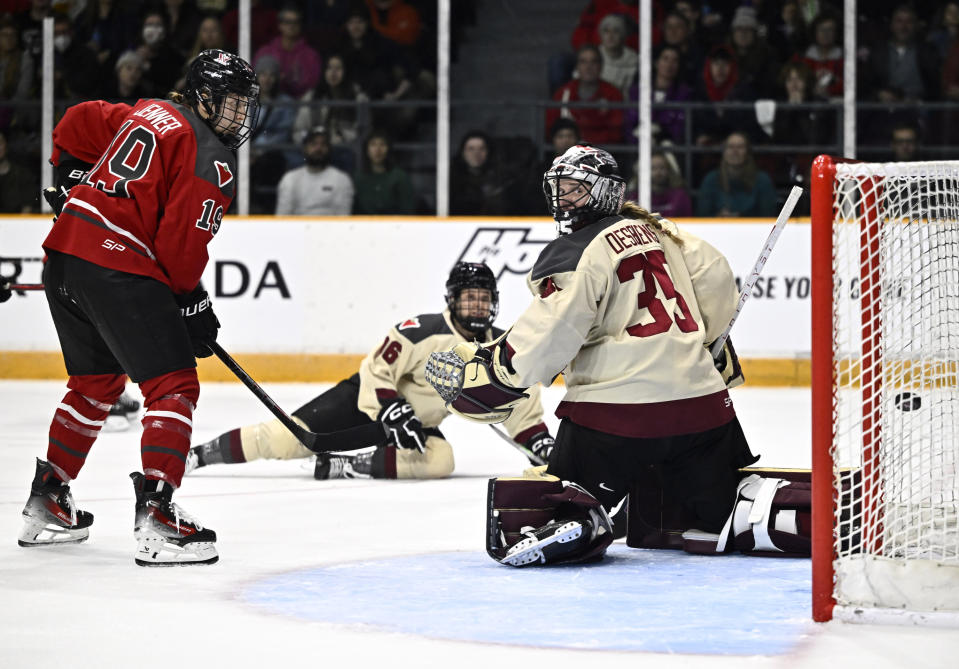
(464, 378)
(402, 425)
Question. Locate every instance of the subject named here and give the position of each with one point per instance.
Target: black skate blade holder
(350, 439)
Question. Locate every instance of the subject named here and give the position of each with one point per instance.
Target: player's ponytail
(632, 210)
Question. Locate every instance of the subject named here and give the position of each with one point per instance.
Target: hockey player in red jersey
(626, 306)
(390, 387)
(141, 192)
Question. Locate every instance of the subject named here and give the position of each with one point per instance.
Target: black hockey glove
(202, 324)
(5, 292)
(56, 198)
(402, 425)
(542, 446)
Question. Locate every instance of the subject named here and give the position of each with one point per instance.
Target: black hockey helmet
(596, 170)
(224, 86)
(472, 275)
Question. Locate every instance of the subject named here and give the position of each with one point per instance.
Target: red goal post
(885, 391)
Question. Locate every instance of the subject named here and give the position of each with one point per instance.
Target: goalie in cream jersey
(626, 305)
(391, 388)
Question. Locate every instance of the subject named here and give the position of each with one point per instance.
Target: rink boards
(305, 298)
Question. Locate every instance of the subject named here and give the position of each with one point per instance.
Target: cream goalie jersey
(627, 306)
(397, 368)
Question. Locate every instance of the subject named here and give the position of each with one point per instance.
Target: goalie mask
(224, 87)
(582, 186)
(472, 275)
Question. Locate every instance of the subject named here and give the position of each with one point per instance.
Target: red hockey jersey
(155, 196)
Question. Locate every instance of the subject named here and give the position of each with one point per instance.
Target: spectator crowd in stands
(353, 80)
(316, 61)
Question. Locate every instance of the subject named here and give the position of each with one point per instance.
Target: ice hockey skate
(343, 466)
(545, 544)
(123, 414)
(166, 536)
(50, 515)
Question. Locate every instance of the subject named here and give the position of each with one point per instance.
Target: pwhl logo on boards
(512, 249)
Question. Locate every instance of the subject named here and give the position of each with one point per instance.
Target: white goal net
(894, 452)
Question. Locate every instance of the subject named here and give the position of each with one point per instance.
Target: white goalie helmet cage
(598, 172)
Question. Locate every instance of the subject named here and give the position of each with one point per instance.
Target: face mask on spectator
(152, 34)
(61, 43)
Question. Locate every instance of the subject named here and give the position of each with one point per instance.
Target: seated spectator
(382, 188)
(209, 35)
(737, 187)
(800, 127)
(16, 72)
(367, 57)
(162, 63)
(76, 69)
(824, 56)
(667, 190)
(395, 21)
(755, 60)
(600, 124)
(904, 143)
(563, 135)
(705, 30)
(336, 86)
(903, 68)
(945, 33)
(720, 83)
(668, 124)
(787, 33)
(587, 29)
(262, 25)
(109, 26)
(317, 188)
(300, 65)
(620, 63)
(184, 21)
(678, 34)
(477, 188)
(127, 84)
(274, 127)
(18, 188)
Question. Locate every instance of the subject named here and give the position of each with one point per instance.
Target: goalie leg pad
(771, 517)
(544, 521)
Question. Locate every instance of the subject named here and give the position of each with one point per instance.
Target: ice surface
(392, 573)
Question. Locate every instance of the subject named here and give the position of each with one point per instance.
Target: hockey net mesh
(895, 451)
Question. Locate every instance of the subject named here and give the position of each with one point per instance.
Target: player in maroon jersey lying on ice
(141, 192)
(625, 306)
(390, 387)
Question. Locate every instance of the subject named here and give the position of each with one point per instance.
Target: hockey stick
(519, 447)
(350, 439)
(784, 215)
(6, 289)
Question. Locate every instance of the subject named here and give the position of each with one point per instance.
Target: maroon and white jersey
(397, 367)
(625, 311)
(155, 196)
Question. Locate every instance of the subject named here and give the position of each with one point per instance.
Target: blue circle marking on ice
(634, 600)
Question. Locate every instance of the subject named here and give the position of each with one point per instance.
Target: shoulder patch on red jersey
(223, 173)
(409, 323)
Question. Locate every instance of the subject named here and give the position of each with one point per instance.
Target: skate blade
(535, 551)
(154, 552)
(51, 535)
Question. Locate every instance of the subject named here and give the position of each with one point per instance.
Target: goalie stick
(351, 439)
(784, 215)
(519, 447)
